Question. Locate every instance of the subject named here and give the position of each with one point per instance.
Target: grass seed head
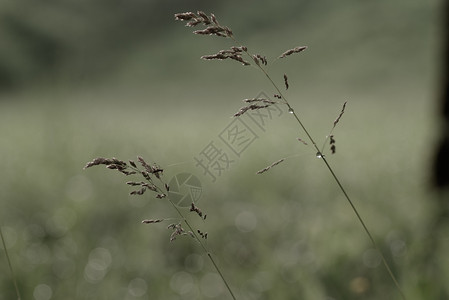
(152, 221)
(292, 51)
(270, 166)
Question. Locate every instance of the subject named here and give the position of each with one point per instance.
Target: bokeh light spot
(42, 292)
(246, 221)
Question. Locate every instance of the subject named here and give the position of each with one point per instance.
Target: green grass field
(287, 234)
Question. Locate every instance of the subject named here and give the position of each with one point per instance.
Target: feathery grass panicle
(202, 18)
(149, 174)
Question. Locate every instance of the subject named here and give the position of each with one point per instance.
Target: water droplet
(290, 110)
(319, 155)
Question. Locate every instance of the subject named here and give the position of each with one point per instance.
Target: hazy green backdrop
(82, 79)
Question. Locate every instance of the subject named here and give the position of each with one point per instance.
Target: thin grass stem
(10, 265)
(209, 254)
(319, 153)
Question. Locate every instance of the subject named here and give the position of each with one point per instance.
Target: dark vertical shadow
(441, 162)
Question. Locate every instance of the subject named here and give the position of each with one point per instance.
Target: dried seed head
(270, 166)
(332, 143)
(244, 109)
(260, 59)
(201, 18)
(185, 16)
(333, 149)
(206, 20)
(302, 141)
(144, 164)
(294, 50)
(146, 175)
(177, 230)
(133, 183)
(105, 161)
(234, 53)
(214, 19)
(150, 186)
(193, 23)
(286, 81)
(139, 192)
(341, 114)
(194, 208)
(259, 100)
(152, 221)
(202, 234)
(256, 60)
(213, 30)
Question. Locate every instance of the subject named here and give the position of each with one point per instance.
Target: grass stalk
(10, 265)
(209, 254)
(334, 176)
(194, 234)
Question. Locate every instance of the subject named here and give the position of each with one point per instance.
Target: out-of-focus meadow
(82, 79)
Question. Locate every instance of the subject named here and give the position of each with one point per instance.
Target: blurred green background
(82, 79)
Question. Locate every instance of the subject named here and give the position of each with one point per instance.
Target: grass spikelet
(202, 18)
(244, 109)
(152, 221)
(302, 141)
(202, 234)
(260, 100)
(270, 166)
(286, 81)
(260, 59)
(292, 51)
(332, 143)
(341, 114)
(195, 208)
(234, 53)
(185, 16)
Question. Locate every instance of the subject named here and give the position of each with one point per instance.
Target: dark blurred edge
(49, 39)
(441, 162)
